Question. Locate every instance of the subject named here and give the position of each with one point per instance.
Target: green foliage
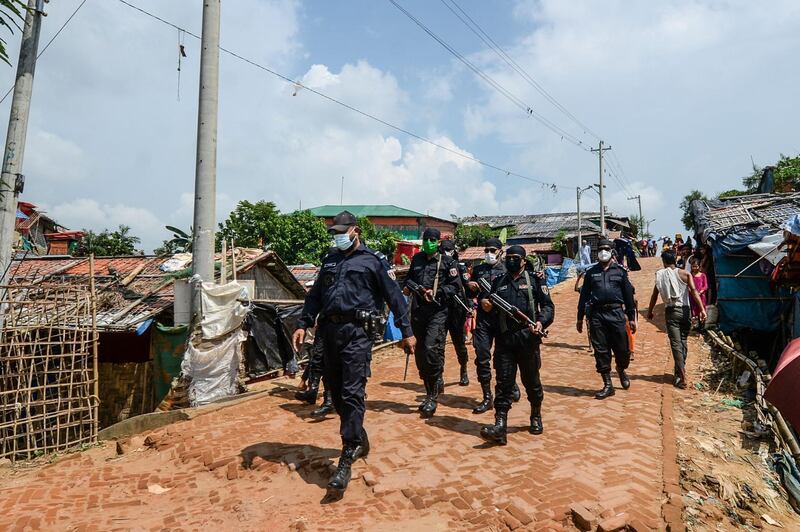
(786, 175)
(637, 224)
(249, 225)
(731, 193)
(108, 243)
(688, 218)
(476, 235)
(378, 239)
(181, 242)
(10, 12)
(299, 238)
(559, 242)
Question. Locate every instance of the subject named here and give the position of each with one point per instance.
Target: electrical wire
(46, 46)
(473, 26)
(528, 109)
(552, 186)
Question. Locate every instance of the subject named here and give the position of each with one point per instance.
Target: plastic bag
(212, 370)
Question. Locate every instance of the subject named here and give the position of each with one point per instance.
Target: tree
(249, 225)
(378, 239)
(476, 235)
(299, 238)
(559, 242)
(10, 12)
(108, 243)
(686, 206)
(786, 175)
(637, 225)
(181, 242)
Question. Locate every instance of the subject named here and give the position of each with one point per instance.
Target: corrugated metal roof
(365, 210)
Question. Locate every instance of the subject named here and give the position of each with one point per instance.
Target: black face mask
(513, 264)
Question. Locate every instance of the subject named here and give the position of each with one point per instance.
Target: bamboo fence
(48, 369)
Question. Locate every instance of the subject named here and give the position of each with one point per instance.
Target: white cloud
(53, 159)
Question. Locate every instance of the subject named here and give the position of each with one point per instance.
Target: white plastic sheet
(213, 370)
(767, 248)
(177, 262)
(222, 311)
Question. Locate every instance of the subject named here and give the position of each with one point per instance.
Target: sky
(687, 94)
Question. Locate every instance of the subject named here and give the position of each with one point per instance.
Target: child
(701, 283)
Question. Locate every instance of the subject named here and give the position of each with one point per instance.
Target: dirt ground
(725, 473)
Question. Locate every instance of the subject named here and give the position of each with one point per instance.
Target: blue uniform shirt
(358, 281)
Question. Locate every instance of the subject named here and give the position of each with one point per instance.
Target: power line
(46, 46)
(552, 186)
(488, 41)
(492, 82)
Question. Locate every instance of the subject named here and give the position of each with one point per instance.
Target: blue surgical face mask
(343, 241)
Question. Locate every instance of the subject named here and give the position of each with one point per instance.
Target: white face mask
(491, 258)
(343, 242)
(604, 255)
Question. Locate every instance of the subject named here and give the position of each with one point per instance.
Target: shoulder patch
(453, 272)
(391, 274)
(545, 290)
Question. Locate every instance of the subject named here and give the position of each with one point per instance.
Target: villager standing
(609, 293)
(345, 300)
(676, 286)
(459, 307)
(438, 278)
(517, 343)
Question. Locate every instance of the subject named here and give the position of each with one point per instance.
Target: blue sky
(684, 91)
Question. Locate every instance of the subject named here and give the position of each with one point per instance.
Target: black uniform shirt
(359, 281)
(423, 271)
(489, 272)
(464, 293)
(515, 292)
(607, 287)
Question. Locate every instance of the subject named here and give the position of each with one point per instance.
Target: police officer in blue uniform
(609, 294)
(349, 292)
(437, 274)
(492, 268)
(457, 313)
(517, 344)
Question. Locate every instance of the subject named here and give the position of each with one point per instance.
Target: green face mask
(430, 247)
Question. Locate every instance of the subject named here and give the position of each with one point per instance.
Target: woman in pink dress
(701, 283)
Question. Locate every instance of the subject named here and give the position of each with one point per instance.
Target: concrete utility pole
(641, 218)
(580, 222)
(648, 226)
(11, 178)
(205, 181)
(600, 151)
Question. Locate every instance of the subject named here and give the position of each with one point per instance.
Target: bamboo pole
(95, 405)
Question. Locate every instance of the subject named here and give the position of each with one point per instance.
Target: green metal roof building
(410, 224)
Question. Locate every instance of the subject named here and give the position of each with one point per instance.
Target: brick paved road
(263, 464)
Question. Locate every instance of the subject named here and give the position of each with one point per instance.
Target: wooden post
(96, 362)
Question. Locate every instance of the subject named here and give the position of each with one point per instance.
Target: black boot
(364, 444)
(496, 433)
(623, 379)
(309, 395)
(536, 420)
(487, 403)
(515, 395)
(341, 478)
(440, 385)
(464, 376)
(428, 407)
(326, 407)
(424, 402)
(608, 387)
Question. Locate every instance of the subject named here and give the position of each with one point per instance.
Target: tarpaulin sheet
(767, 248)
(268, 346)
(745, 302)
(212, 368)
(167, 345)
(567, 270)
(222, 311)
(551, 276)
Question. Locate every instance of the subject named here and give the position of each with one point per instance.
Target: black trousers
(429, 323)
(347, 355)
(518, 350)
(316, 364)
(608, 334)
(482, 338)
(456, 318)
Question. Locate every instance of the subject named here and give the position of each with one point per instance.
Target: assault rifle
(507, 308)
(417, 289)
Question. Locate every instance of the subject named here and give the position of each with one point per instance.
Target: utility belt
(372, 321)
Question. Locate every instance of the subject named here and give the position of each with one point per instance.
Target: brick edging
(672, 505)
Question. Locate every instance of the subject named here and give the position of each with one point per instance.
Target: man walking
(609, 294)
(459, 306)
(352, 285)
(676, 286)
(517, 343)
(437, 275)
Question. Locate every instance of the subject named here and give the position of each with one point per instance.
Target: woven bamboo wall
(126, 390)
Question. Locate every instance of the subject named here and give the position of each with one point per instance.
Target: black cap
(342, 221)
(516, 250)
(448, 245)
(431, 233)
(605, 242)
(493, 242)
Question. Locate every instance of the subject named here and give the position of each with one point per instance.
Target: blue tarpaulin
(551, 276)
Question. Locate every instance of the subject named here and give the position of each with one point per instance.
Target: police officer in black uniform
(609, 294)
(351, 288)
(312, 375)
(517, 344)
(438, 275)
(482, 337)
(457, 313)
